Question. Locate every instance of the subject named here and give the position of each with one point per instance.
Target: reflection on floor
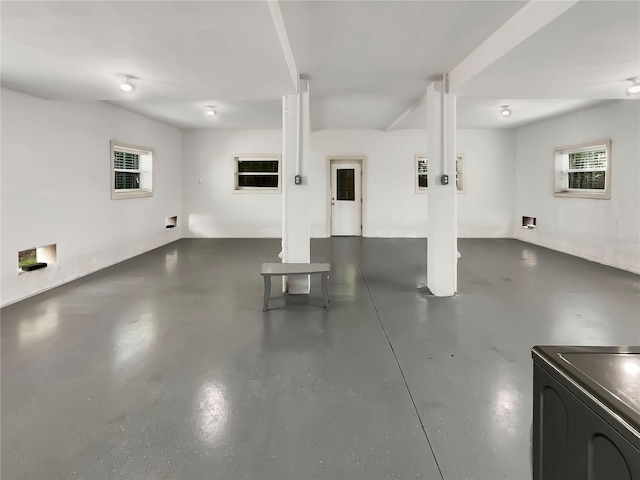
(165, 366)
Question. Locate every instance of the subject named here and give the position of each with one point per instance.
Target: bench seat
(289, 269)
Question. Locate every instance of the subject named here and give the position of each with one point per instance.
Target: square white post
(296, 237)
(442, 262)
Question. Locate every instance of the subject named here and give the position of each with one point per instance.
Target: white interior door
(346, 199)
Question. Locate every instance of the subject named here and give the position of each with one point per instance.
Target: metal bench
(289, 269)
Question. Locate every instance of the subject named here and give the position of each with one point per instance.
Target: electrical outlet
(298, 179)
(444, 179)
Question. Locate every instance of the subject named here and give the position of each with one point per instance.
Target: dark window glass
(587, 180)
(346, 184)
(263, 166)
(126, 180)
(422, 181)
(262, 181)
(423, 170)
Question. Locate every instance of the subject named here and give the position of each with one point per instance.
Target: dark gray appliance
(586, 413)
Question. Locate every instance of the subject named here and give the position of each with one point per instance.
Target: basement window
(529, 222)
(35, 258)
(422, 173)
(460, 183)
(583, 171)
(131, 171)
(257, 173)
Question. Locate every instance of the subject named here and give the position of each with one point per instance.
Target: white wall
(605, 231)
(392, 208)
(212, 208)
(55, 186)
(56, 189)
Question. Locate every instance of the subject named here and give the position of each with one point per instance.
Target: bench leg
(325, 289)
(267, 291)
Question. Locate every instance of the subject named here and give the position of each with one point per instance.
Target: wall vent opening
(37, 258)
(172, 222)
(529, 222)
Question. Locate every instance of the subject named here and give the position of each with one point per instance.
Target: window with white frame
(460, 183)
(131, 171)
(422, 173)
(257, 173)
(583, 170)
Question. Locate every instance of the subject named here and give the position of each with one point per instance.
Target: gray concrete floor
(165, 366)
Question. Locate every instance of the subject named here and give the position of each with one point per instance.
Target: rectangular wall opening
(529, 222)
(171, 222)
(36, 258)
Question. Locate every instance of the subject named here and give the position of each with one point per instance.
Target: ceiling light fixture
(211, 112)
(505, 111)
(126, 86)
(635, 87)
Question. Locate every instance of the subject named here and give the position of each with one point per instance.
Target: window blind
(595, 160)
(126, 160)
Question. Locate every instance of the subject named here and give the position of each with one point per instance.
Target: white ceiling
(485, 112)
(192, 114)
(177, 51)
(587, 52)
(367, 61)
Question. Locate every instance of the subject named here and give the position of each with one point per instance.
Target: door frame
(345, 159)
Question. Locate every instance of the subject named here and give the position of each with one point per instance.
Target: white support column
(296, 240)
(442, 230)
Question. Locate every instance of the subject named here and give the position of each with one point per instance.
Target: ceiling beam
(278, 22)
(528, 20)
(406, 113)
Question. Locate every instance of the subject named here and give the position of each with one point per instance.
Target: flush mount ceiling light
(125, 84)
(211, 112)
(505, 111)
(634, 88)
